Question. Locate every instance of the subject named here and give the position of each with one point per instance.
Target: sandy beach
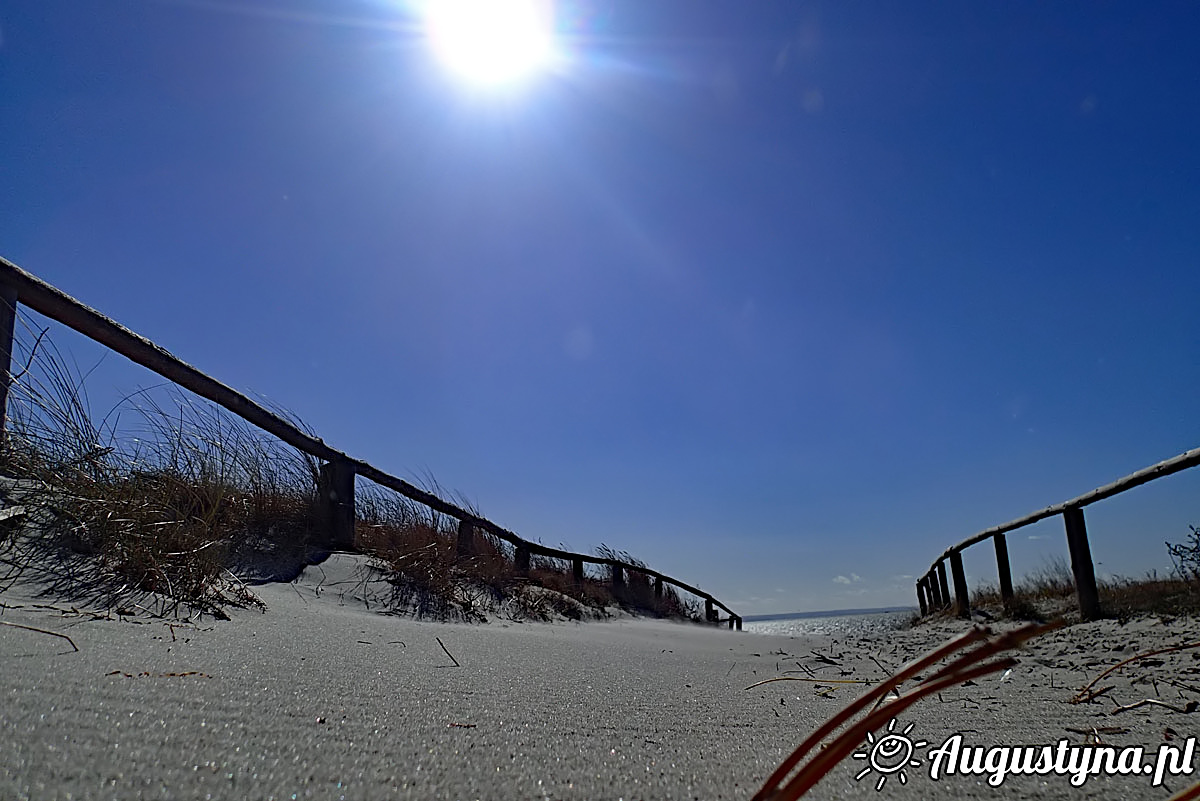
(318, 697)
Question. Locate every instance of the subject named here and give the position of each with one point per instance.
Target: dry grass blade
(967, 666)
(1085, 695)
(811, 680)
(41, 631)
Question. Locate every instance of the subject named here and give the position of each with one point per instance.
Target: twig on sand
(1191, 707)
(1086, 696)
(1082, 696)
(1096, 731)
(447, 650)
(41, 631)
(805, 678)
(965, 665)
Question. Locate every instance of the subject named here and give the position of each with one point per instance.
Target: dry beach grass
(167, 503)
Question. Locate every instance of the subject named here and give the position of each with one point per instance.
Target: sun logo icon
(889, 755)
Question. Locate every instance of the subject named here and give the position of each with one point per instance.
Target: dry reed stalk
(41, 631)
(1085, 695)
(967, 666)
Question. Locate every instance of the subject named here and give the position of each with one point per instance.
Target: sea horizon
(832, 622)
(875, 610)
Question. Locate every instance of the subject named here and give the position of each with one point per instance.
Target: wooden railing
(933, 589)
(337, 472)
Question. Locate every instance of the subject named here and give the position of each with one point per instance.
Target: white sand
(319, 698)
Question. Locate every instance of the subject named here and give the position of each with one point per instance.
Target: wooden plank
(8, 321)
(1081, 564)
(935, 592)
(943, 584)
(577, 571)
(1183, 461)
(921, 598)
(1004, 570)
(335, 503)
(962, 600)
(465, 544)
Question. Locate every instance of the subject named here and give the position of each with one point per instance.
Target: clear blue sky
(781, 297)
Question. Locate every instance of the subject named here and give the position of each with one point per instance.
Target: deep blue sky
(782, 297)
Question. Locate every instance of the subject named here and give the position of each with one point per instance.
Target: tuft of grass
(151, 516)
(1050, 591)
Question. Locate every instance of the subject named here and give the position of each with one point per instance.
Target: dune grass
(168, 503)
(1050, 590)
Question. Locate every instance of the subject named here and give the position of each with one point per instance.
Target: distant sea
(836, 622)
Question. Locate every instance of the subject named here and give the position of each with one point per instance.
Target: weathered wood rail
(338, 470)
(933, 590)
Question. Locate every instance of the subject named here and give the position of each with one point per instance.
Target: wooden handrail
(1166, 467)
(57, 305)
(929, 594)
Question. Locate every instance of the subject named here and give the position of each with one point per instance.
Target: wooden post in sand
(1004, 569)
(522, 560)
(8, 321)
(710, 611)
(921, 597)
(466, 538)
(935, 594)
(618, 581)
(942, 583)
(962, 600)
(658, 588)
(577, 571)
(335, 502)
(1081, 564)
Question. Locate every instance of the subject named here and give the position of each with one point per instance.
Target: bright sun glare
(492, 42)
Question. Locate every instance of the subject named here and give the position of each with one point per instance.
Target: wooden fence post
(962, 600)
(335, 503)
(935, 593)
(618, 581)
(921, 597)
(8, 321)
(1081, 564)
(522, 560)
(577, 571)
(466, 538)
(710, 611)
(658, 591)
(739, 623)
(1004, 569)
(942, 583)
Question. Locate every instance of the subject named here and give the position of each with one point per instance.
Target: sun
(492, 42)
